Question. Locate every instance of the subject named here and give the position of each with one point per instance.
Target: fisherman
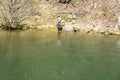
(60, 23)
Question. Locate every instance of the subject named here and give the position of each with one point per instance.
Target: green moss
(22, 26)
(33, 1)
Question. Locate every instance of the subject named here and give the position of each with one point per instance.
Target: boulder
(68, 27)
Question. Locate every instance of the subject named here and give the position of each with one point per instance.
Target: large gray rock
(117, 27)
(68, 27)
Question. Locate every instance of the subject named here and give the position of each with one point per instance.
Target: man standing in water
(60, 24)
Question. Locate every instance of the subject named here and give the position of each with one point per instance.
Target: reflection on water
(45, 55)
(59, 39)
(59, 42)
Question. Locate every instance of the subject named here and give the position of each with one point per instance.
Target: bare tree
(14, 12)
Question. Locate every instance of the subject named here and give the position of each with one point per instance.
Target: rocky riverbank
(90, 17)
(74, 24)
(79, 26)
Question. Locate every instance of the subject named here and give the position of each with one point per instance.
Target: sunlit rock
(76, 27)
(117, 27)
(71, 26)
(72, 16)
(68, 27)
(37, 16)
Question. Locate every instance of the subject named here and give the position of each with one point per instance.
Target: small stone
(72, 16)
(37, 17)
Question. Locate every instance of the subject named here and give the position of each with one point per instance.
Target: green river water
(45, 55)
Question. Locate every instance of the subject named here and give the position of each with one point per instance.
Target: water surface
(45, 55)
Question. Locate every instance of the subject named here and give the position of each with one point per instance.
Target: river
(45, 55)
